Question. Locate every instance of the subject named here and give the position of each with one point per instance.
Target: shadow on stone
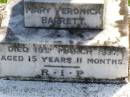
(17, 32)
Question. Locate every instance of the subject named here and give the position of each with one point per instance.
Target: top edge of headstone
(69, 1)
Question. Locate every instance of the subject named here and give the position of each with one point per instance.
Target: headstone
(64, 13)
(65, 54)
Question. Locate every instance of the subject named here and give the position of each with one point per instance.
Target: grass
(129, 3)
(3, 1)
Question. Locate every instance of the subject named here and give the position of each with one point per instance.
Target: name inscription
(62, 15)
(60, 61)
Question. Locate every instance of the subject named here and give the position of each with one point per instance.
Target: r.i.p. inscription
(64, 14)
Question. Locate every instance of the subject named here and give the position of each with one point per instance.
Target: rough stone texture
(45, 89)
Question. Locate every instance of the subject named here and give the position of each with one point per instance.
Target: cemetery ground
(12, 88)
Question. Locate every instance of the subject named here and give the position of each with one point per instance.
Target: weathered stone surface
(63, 62)
(112, 35)
(64, 14)
(115, 35)
(46, 89)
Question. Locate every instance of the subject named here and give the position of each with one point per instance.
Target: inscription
(57, 59)
(62, 73)
(60, 61)
(20, 48)
(67, 10)
(104, 61)
(59, 50)
(62, 15)
(49, 20)
(12, 58)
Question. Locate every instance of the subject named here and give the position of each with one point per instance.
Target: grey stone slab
(71, 14)
(62, 62)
